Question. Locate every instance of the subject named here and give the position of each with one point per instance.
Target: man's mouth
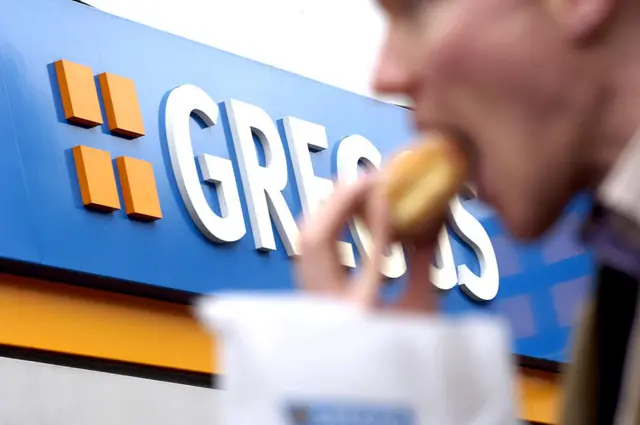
(460, 137)
(465, 143)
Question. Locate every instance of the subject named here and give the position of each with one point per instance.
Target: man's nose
(393, 73)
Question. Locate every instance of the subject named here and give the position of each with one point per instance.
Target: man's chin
(529, 228)
(525, 234)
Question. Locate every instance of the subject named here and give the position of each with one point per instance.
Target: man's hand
(319, 268)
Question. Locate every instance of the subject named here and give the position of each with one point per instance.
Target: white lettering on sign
(181, 103)
(443, 274)
(483, 287)
(264, 185)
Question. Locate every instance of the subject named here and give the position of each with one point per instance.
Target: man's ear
(583, 20)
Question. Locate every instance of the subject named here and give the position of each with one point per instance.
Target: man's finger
(368, 284)
(341, 206)
(319, 266)
(420, 294)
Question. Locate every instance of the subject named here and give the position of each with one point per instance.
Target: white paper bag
(302, 360)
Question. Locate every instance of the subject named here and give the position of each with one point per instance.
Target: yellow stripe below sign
(540, 396)
(81, 321)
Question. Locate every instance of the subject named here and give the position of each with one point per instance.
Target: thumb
(420, 295)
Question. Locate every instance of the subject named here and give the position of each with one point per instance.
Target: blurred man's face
(506, 74)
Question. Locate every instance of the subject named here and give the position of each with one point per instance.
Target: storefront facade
(141, 169)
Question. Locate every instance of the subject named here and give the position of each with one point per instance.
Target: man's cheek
(455, 64)
(445, 61)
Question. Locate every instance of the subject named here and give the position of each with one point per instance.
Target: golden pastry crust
(421, 181)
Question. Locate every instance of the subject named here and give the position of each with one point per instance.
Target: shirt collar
(619, 193)
(613, 230)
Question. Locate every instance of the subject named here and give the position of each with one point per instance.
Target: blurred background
(102, 257)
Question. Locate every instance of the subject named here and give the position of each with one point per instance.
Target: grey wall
(41, 394)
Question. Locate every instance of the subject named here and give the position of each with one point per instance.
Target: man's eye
(413, 6)
(400, 7)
